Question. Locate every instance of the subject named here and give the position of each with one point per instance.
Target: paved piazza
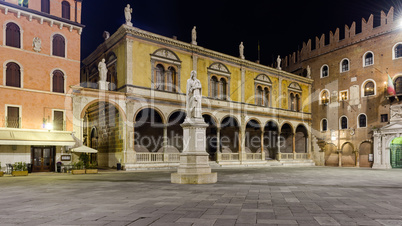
(242, 196)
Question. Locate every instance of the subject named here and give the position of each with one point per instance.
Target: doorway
(42, 158)
(396, 153)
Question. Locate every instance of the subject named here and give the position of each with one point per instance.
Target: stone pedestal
(194, 167)
(103, 85)
(129, 24)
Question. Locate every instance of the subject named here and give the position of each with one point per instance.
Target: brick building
(349, 99)
(39, 60)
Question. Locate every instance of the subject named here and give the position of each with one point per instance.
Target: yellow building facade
(256, 114)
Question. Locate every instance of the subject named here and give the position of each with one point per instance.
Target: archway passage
(103, 130)
(331, 155)
(271, 140)
(348, 155)
(365, 151)
(148, 131)
(287, 139)
(175, 132)
(211, 134)
(229, 138)
(253, 137)
(301, 139)
(396, 153)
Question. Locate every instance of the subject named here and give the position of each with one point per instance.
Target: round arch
(21, 71)
(301, 138)
(235, 120)
(116, 105)
(348, 154)
(286, 134)
(271, 132)
(331, 155)
(365, 149)
(151, 107)
(364, 59)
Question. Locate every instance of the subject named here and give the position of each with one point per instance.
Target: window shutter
(58, 82)
(45, 6)
(59, 45)
(65, 8)
(13, 35)
(13, 74)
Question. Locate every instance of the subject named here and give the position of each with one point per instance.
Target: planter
(19, 173)
(91, 171)
(1, 173)
(78, 171)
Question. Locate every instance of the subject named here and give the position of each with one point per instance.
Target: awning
(26, 137)
(84, 149)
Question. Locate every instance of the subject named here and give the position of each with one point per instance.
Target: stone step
(298, 162)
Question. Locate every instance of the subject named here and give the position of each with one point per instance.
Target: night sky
(280, 26)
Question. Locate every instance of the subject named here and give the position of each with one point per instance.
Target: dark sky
(280, 26)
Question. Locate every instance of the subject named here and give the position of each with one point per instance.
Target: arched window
(58, 81)
(298, 102)
(45, 6)
(398, 85)
(223, 85)
(13, 35)
(398, 51)
(214, 87)
(344, 65)
(324, 125)
(65, 10)
(59, 46)
(160, 71)
(259, 95)
(324, 97)
(266, 97)
(362, 120)
(13, 75)
(369, 89)
(344, 122)
(171, 80)
(292, 102)
(368, 59)
(324, 71)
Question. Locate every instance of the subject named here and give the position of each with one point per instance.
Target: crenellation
(336, 36)
(367, 26)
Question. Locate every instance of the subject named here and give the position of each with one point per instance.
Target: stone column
(340, 158)
(130, 155)
(165, 143)
(377, 150)
(218, 144)
(278, 155)
(294, 145)
(357, 158)
(262, 144)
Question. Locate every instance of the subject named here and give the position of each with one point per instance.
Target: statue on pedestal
(194, 36)
(241, 49)
(278, 61)
(127, 13)
(102, 70)
(193, 97)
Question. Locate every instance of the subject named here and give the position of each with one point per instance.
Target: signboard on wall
(65, 157)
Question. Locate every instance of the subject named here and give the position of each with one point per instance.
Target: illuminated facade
(136, 121)
(350, 102)
(39, 60)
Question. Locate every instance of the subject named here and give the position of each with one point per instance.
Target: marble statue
(37, 44)
(308, 71)
(194, 36)
(102, 70)
(278, 61)
(127, 13)
(241, 49)
(193, 97)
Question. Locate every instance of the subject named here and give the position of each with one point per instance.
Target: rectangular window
(343, 95)
(58, 120)
(384, 118)
(13, 117)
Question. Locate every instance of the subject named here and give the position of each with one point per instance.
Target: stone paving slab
(242, 196)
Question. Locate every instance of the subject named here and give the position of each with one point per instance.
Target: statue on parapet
(241, 50)
(102, 70)
(127, 14)
(194, 36)
(278, 61)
